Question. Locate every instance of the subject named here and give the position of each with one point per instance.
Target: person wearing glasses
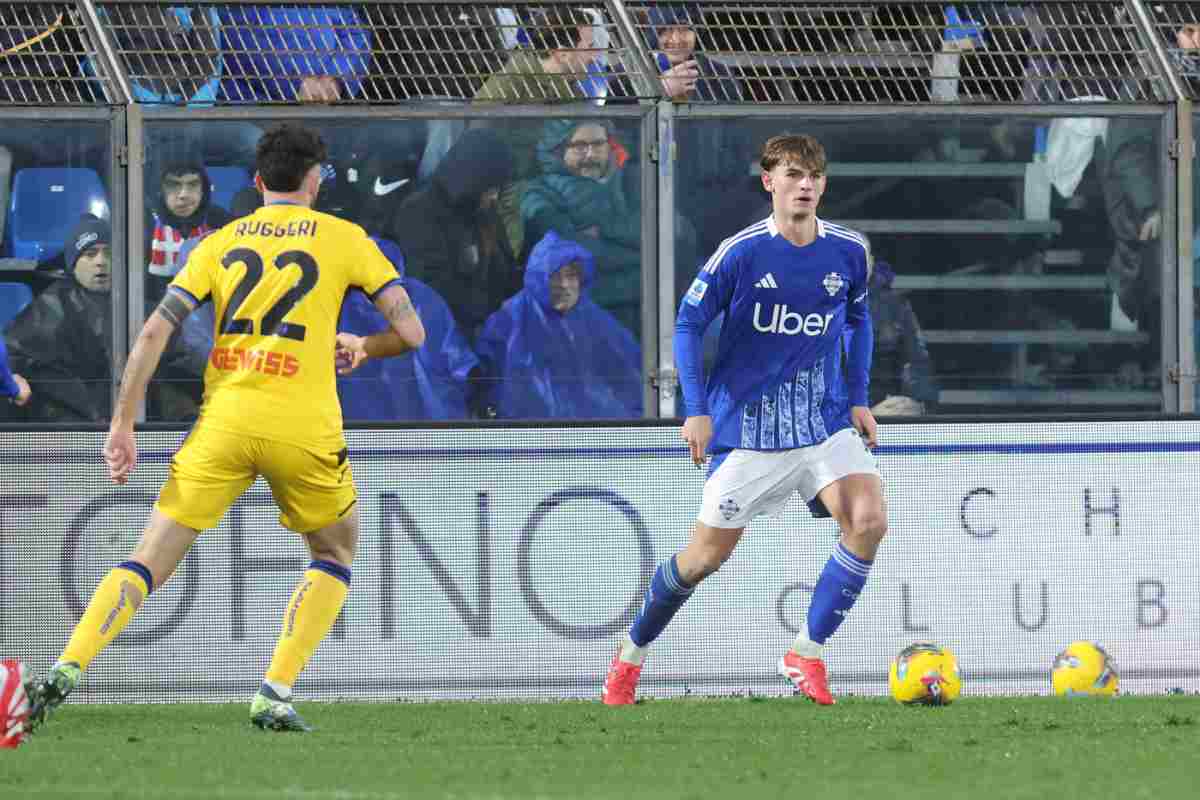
(587, 193)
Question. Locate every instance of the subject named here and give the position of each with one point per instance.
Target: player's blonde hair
(796, 148)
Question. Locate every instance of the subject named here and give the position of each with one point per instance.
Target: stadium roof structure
(756, 51)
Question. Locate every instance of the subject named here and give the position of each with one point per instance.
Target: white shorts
(752, 483)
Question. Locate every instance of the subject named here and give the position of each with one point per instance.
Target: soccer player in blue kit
(785, 409)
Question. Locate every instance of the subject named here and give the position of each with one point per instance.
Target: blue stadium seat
(226, 182)
(46, 204)
(13, 299)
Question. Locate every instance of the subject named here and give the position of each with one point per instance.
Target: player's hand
(697, 432)
(680, 80)
(350, 353)
(1151, 228)
(864, 423)
(898, 405)
(23, 390)
(120, 454)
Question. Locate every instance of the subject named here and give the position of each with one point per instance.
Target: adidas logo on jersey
(767, 282)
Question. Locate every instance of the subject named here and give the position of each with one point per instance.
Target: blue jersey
(8, 386)
(781, 379)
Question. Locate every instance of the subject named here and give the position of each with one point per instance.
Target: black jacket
(448, 243)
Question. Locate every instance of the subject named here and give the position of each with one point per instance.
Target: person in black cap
(62, 342)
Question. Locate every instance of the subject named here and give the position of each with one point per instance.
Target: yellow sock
(113, 604)
(310, 614)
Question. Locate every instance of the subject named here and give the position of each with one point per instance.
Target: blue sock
(837, 589)
(664, 597)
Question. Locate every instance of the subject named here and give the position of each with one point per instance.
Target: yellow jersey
(276, 280)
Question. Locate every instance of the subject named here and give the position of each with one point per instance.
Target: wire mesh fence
(47, 58)
(909, 52)
(760, 51)
(371, 53)
(1178, 26)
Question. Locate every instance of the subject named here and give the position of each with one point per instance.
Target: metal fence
(757, 61)
(757, 51)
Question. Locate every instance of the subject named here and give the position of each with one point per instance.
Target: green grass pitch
(770, 747)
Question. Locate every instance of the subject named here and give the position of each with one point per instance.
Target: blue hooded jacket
(269, 49)
(428, 384)
(541, 364)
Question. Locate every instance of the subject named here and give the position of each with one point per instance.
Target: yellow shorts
(213, 468)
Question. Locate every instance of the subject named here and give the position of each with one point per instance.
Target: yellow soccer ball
(925, 674)
(1084, 668)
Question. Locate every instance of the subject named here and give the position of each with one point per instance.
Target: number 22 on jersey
(273, 322)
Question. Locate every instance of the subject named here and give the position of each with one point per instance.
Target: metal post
(1185, 216)
(1169, 299)
(650, 264)
(666, 294)
(1154, 47)
(108, 64)
(135, 266)
(118, 211)
(645, 76)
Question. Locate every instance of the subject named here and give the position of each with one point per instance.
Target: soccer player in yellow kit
(276, 279)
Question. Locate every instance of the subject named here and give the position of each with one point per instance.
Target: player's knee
(868, 525)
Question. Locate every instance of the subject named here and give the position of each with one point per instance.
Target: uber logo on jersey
(791, 323)
(696, 293)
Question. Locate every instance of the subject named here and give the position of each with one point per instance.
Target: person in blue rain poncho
(551, 352)
(430, 383)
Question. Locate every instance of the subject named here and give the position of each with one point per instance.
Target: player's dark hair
(285, 154)
(799, 149)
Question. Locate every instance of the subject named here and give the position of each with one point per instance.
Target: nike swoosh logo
(382, 188)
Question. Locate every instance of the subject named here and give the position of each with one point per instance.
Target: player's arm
(707, 296)
(860, 348)
(405, 332)
(12, 385)
(120, 449)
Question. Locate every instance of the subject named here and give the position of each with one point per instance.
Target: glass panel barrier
(1017, 259)
(520, 240)
(56, 269)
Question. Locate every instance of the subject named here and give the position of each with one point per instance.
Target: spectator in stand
(451, 235)
(290, 52)
(182, 210)
(62, 342)
(555, 46)
(902, 382)
(551, 352)
(428, 383)
(587, 196)
(713, 190)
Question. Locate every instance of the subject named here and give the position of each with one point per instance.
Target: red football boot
(808, 676)
(621, 682)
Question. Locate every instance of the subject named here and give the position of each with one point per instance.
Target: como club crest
(833, 283)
